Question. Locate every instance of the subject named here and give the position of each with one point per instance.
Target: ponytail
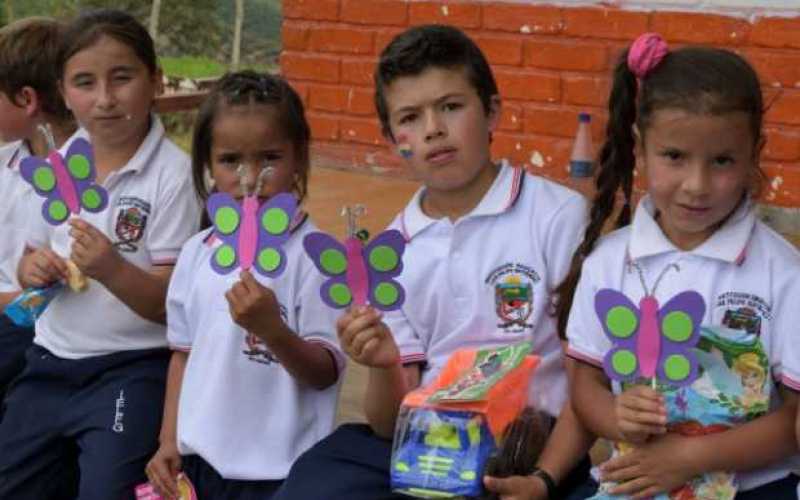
(617, 163)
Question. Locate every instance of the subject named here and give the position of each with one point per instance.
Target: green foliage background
(194, 37)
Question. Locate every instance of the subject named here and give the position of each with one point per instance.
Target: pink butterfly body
(66, 187)
(357, 277)
(649, 341)
(248, 235)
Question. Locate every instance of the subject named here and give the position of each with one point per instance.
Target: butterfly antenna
(352, 213)
(641, 276)
(242, 180)
(47, 132)
(265, 173)
(663, 272)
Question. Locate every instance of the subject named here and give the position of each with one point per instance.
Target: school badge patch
(513, 295)
(131, 221)
(743, 311)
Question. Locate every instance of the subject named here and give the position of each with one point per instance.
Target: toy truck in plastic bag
(448, 430)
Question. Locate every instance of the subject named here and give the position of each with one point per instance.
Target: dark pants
(14, 341)
(782, 489)
(353, 464)
(209, 485)
(95, 418)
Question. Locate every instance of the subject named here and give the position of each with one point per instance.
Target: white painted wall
(750, 9)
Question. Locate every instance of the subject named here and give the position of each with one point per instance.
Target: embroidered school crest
(513, 301)
(513, 296)
(742, 318)
(743, 311)
(131, 222)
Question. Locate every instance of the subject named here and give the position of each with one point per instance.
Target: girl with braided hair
(688, 124)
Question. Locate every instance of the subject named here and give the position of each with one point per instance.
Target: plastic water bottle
(581, 163)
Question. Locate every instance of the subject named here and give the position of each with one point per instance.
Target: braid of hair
(616, 163)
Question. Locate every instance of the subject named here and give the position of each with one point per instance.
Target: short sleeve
(37, 231)
(176, 218)
(412, 349)
(785, 321)
(316, 322)
(564, 234)
(180, 334)
(585, 336)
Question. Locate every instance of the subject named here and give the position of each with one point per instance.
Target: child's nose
(698, 179)
(434, 126)
(106, 97)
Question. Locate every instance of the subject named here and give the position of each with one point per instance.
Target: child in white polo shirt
(476, 229)
(694, 258)
(29, 97)
(253, 380)
(90, 395)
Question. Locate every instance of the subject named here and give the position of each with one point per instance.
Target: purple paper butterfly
(359, 274)
(252, 235)
(649, 340)
(66, 183)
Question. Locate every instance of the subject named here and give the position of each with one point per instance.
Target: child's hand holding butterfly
(92, 251)
(366, 338)
(640, 413)
(254, 307)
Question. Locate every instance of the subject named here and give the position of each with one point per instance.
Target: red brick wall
(550, 62)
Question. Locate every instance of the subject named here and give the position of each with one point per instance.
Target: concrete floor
(329, 190)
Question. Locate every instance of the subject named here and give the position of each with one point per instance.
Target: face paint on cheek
(403, 147)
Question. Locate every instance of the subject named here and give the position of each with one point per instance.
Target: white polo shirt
(744, 268)
(152, 211)
(487, 279)
(239, 409)
(14, 193)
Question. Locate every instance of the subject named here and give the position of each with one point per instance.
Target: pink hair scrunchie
(646, 53)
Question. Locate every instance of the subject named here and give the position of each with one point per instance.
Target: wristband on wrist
(549, 482)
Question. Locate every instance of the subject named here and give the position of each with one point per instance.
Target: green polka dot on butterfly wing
(58, 210)
(79, 167)
(269, 259)
(225, 256)
(677, 326)
(44, 179)
(275, 221)
(340, 294)
(383, 258)
(91, 199)
(624, 362)
(386, 294)
(226, 220)
(333, 261)
(677, 367)
(621, 321)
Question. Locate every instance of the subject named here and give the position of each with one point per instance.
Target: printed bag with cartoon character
(733, 387)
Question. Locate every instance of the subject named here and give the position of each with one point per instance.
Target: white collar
(21, 152)
(500, 196)
(144, 154)
(728, 243)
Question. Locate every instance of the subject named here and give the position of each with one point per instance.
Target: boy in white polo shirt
(28, 97)
(475, 229)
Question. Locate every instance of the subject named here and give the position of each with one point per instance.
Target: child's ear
(495, 109)
(28, 98)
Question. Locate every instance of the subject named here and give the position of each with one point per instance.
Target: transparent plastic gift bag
(447, 431)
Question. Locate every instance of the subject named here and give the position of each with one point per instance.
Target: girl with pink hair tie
(688, 123)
